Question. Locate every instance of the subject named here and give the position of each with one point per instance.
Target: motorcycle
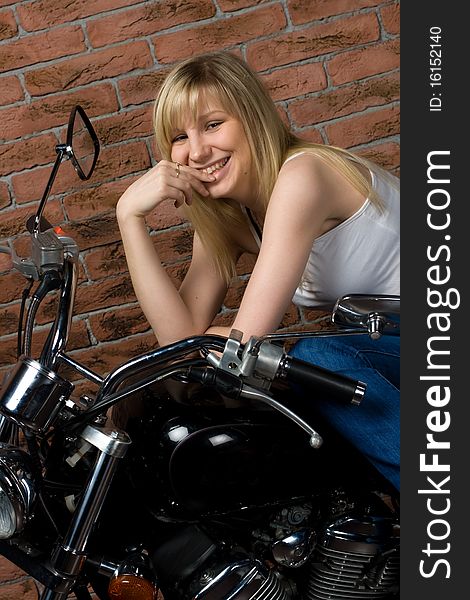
(225, 484)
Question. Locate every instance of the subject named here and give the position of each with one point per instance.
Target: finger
(185, 188)
(180, 200)
(193, 172)
(187, 184)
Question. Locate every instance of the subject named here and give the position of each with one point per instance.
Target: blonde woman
(321, 222)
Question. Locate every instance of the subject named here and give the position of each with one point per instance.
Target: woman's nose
(198, 149)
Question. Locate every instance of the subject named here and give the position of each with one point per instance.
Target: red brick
(164, 216)
(245, 264)
(283, 114)
(105, 293)
(312, 314)
(391, 18)
(178, 272)
(295, 81)
(105, 261)
(113, 163)
(4, 194)
(290, 317)
(8, 358)
(53, 111)
(118, 323)
(26, 590)
(36, 48)
(147, 19)
(44, 14)
(10, 90)
(136, 123)
(220, 34)
(9, 324)
(13, 284)
(235, 293)
(303, 11)
(141, 88)
(9, 571)
(174, 245)
(350, 66)
(313, 41)
(94, 296)
(310, 134)
(97, 231)
(386, 155)
(26, 154)
(13, 222)
(78, 339)
(5, 262)
(365, 128)
(225, 318)
(95, 200)
(8, 26)
(121, 160)
(345, 100)
(232, 5)
(88, 68)
(106, 357)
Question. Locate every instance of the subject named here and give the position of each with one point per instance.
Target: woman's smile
(215, 142)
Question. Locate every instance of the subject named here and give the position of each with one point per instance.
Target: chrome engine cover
(245, 579)
(357, 557)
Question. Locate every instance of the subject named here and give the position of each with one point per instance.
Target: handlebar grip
(334, 385)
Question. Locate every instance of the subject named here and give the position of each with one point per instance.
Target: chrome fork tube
(5, 429)
(69, 556)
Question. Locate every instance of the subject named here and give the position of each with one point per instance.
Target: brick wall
(332, 67)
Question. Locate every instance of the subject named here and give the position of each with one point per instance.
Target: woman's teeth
(216, 166)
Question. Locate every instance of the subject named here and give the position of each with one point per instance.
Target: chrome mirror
(82, 148)
(379, 314)
(82, 143)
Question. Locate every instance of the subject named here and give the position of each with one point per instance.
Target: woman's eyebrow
(210, 113)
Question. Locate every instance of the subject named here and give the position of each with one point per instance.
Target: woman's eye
(179, 138)
(214, 124)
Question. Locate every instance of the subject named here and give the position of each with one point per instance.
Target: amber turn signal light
(131, 587)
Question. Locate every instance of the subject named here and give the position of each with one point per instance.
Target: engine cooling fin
(357, 559)
(341, 576)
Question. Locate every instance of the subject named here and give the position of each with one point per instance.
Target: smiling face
(214, 141)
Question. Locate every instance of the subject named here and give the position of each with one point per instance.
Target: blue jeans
(374, 426)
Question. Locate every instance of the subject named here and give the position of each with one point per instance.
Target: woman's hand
(165, 181)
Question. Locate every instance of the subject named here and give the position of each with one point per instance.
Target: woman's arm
(308, 199)
(172, 315)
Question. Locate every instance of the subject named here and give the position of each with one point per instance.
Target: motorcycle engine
(244, 579)
(196, 567)
(351, 557)
(357, 557)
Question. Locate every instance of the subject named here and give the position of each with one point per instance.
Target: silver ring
(177, 170)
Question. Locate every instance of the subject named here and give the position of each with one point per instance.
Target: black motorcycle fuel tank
(225, 466)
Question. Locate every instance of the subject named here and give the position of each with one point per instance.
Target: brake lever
(231, 385)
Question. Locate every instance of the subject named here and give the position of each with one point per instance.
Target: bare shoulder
(318, 184)
(309, 167)
(306, 180)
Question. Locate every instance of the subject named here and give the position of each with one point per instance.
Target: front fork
(70, 554)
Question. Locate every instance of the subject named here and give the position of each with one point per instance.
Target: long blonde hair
(241, 93)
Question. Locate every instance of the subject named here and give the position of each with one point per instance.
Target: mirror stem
(61, 150)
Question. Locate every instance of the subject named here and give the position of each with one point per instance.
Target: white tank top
(361, 255)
